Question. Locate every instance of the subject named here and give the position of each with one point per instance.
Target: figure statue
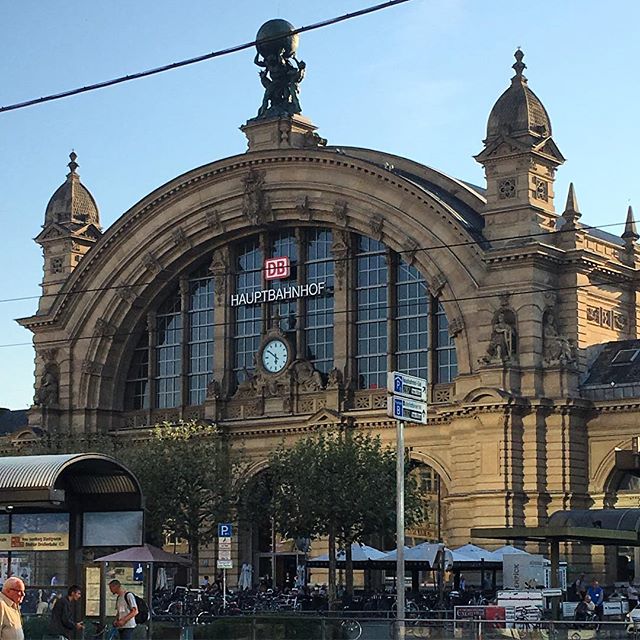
(276, 47)
(557, 349)
(47, 393)
(503, 344)
(335, 379)
(307, 377)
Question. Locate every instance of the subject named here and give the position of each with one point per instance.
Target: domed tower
(520, 160)
(71, 227)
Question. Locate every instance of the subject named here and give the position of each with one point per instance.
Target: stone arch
(203, 209)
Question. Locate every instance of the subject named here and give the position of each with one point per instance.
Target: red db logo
(276, 268)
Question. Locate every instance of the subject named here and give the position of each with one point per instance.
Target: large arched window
(384, 319)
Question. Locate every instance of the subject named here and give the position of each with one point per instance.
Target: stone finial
(519, 66)
(73, 165)
(571, 211)
(630, 234)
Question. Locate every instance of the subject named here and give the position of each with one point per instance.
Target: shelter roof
(617, 363)
(25, 480)
(146, 553)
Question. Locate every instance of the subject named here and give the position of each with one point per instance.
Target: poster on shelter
(55, 541)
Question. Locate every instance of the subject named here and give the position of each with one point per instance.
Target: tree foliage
(190, 475)
(339, 484)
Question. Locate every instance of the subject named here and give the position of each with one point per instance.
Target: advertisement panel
(34, 541)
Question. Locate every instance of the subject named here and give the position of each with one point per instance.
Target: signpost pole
(224, 589)
(400, 530)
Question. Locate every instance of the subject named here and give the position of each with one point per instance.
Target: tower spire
(571, 211)
(519, 66)
(630, 234)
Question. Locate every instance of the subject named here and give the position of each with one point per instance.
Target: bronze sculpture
(276, 46)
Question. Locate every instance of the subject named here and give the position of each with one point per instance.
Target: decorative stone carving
(213, 220)
(507, 188)
(256, 206)
(541, 189)
(557, 349)
(306, 376)
(220, 269)
(376, 224)
(213, 390)
(126, 293)
(409, 249)
(313, 140)
(47, 392)
(340, 252)
(335, 379)
(340, 212)
(180, 238)
(503, 346)
(620, 321)
(303, 208)
(151, 263)
(92, 368)
(49, 355)
(105, 328)
(455, 326)
(593, 314)
(437, 284)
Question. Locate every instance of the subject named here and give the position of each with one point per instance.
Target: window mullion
(184, 342)
(153, 362)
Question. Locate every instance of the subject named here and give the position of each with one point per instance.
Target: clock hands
(275, 356)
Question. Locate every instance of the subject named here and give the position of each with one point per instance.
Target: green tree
(190, 475)
(340, 484)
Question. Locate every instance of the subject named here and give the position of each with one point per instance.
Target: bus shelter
(592, 526)
(56, 513)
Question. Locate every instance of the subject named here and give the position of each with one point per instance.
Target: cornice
(184, 185)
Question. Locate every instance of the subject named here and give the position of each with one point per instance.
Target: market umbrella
(422, 556)
(470, 556)
(145, 553)
(361, 554)
(508, 550)
(244, 581)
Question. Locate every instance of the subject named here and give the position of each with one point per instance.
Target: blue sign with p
(225, 530)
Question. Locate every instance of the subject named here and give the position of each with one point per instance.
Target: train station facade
(270, 292)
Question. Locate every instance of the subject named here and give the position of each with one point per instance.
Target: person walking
(10, 619)
(126, 610)
(63, 624)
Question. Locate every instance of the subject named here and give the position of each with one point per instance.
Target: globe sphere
(281, 31)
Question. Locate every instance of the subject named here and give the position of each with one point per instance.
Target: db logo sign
(276, 268)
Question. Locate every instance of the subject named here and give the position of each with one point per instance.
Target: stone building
(272, 291)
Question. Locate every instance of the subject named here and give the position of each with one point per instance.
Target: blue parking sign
(225, 530)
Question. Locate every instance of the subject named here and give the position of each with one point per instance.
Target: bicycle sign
(407, 410)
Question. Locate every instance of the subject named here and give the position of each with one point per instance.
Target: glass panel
(412, 321)
(169, 353)
(371, 318)
(447, 360)
(200, 347)
(285, 244)
(40, 523)
(319, 267)
(248, 320)
(137, 389)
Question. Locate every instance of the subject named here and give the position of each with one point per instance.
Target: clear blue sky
(417, 80)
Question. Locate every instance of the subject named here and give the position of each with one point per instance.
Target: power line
(189, 61)
(320, 312)
(464, 243)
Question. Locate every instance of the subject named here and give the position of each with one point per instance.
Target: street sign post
(406, 410)
(224, 562)
(407, 402)
(408, 386)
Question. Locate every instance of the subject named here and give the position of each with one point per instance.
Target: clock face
(275, 356)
